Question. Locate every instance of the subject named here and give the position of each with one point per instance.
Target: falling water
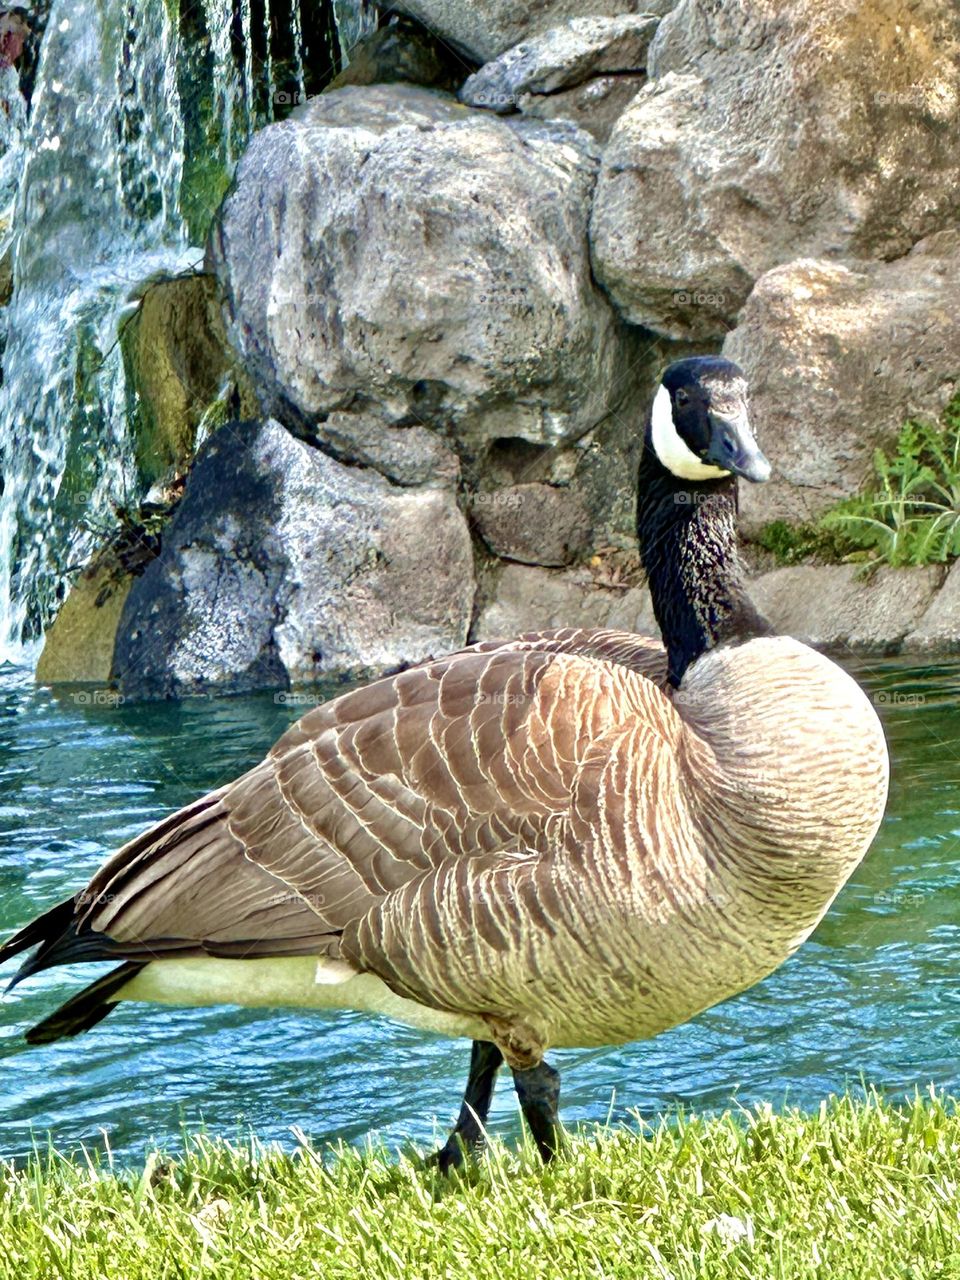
(354, 19)
(297, 34)
(108, 185)
(96, 211)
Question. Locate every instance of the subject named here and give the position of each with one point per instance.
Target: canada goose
(573, 838)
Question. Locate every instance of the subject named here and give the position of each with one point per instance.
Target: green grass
(907, 514)
(863, 1189)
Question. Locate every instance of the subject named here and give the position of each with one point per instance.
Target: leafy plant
(796, 543)
(908, 513)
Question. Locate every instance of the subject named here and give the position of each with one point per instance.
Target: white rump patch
(288, 982)
(330, 973)
(678, 459)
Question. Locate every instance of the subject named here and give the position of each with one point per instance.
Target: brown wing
(475, 754)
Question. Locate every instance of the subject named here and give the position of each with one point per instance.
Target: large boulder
(837, 358)
(386, 248)
(822, 128)
(282, 566)
(483, 29)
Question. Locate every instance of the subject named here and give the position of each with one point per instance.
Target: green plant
(795, 543)
(910, 511)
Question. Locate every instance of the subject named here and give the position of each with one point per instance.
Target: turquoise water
(874, 994)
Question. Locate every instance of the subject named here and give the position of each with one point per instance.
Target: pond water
(873, 996)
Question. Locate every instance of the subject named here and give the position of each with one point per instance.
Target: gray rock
(829, 606)
(560, 58)
(768, 133)
(532, 523)
(529, 599)
(938, 631)
(408, 456)
(386, 249)
(282, 566)
(833, 607)
(401, 52)
(595, 106)
(483, 29)
(837, 359)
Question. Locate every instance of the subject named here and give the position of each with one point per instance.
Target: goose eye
(681, 397)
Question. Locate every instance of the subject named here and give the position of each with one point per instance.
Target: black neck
(688, 541)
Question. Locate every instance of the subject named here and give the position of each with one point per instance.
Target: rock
(837, 359)
(385, 249)
(6, 277)
(282, 566)
(560, 58)
(532, 523)
(408, 456)
(769, 133)
(829, 606)
(833, 607)
(484, 29)
(528, 599)
(403, 52)
(177, 359)
(14, 33)
(78, 648)
(938, 631)
(595, 106)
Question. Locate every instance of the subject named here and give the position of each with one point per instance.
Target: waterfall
(140, 110)
(354, 19)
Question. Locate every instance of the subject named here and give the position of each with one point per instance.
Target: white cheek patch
(678, 459)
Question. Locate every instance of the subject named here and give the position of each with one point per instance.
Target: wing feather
(473, 757)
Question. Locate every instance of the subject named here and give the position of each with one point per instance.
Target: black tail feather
(86, 1008)
(46, 929)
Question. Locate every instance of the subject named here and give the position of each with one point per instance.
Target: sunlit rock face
(387, 249)
(837, 358)
(282, 566)
(770, 132)
(483, 29)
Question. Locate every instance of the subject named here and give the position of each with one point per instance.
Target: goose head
(699, 424)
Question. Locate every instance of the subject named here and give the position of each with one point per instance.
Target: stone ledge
(829, 606)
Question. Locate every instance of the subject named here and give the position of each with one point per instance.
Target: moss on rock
(178, 363)
(78, 648)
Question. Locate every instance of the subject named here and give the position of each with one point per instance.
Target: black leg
(467, 1136)
(539, 1092)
